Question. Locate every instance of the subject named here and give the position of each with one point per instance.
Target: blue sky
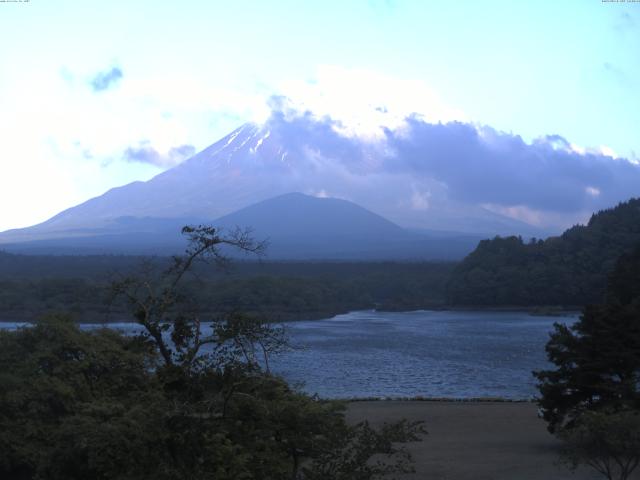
(83, 83)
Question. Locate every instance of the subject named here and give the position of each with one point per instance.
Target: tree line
(281, 291)
(569, 270)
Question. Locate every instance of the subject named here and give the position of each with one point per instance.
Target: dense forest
(282, 291)
(568, 270)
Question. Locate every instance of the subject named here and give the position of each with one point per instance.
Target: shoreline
(536, 311)
(540, 310)
(435, 399)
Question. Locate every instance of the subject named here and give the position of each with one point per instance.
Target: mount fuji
(255, 164)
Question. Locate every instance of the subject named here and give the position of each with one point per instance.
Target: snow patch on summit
(260, 141)
(233, 136)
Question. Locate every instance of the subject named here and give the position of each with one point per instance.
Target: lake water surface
(422, 353)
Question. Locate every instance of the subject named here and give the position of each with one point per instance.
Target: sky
(98, 94)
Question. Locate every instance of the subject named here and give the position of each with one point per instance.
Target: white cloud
(519, 212)
(607, 151)
(577, 149)
(322, 193)
(177, 94)
(601, 150)
(420, 200)
(365, 101)
(593, 191)
(63, 143)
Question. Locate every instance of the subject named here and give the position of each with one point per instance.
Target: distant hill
(297, 227)
(295, 215)
(570, 269)
(301, 227)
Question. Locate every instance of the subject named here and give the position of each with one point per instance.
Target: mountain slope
(303, 227)
(296, 214)
(570, 269)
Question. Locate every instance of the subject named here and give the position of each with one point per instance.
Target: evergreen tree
(597, 359)
(569, 270)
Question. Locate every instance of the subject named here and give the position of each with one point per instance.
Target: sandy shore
(475, 440)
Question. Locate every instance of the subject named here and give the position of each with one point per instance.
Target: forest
(281, 291)
(568, 271)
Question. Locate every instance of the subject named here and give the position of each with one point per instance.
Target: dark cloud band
(476, 165)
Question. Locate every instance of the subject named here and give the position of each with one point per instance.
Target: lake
(405, 354)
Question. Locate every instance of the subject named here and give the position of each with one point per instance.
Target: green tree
(608, 442)
(76, 404)
(568, 270)
(185, 399)
(598, 358)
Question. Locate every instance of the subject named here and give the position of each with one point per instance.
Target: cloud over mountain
(145, 153)
(422, 164)
(482, 165)
(455, 176)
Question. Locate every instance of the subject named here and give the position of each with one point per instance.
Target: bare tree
(158, 303)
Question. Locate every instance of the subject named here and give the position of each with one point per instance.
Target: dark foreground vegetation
(176, 402)
(592, 398)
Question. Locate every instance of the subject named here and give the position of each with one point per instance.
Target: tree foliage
(592, 399)
(608, 442)
(568, 270)
(279, 290)
(70, 401)
(598, 358)
(184, 399)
